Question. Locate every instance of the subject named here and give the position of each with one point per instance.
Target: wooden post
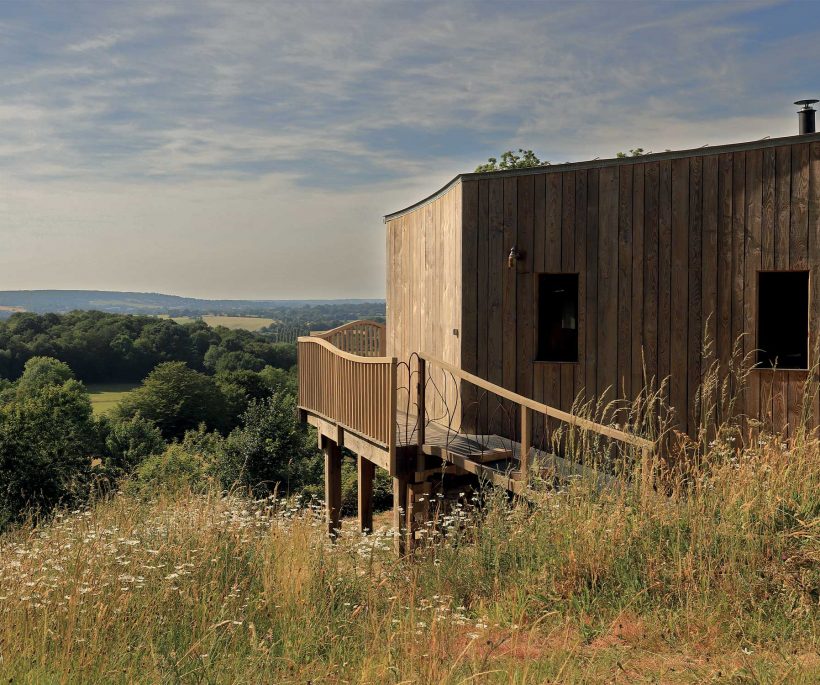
(421, 402)
(526, 443)
(399, 512)
(333, 486)
(418, 508)
(367, 470)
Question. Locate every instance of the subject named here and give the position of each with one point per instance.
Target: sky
(250, 149)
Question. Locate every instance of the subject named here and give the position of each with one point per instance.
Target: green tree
(129, 442)
(176, 398)
(40, 372)
(510, 160)
(637, 152)
(270, 449)
(47, 441)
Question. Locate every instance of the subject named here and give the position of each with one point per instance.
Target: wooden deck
(353, 401)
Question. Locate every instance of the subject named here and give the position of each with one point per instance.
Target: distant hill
(60, 301)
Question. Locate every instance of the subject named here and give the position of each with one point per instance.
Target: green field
(106, 396)
(248, 323)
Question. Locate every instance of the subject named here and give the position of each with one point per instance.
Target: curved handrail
(364, 338)
(314, 340)
(346, 326)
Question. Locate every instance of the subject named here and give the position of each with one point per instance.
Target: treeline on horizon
(116, 348)
(306, 312)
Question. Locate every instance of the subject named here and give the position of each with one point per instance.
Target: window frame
(757, 365)
(537, 311)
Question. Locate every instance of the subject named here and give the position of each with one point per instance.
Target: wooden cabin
(592, 279)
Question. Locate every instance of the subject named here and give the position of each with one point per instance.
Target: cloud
(323, 116)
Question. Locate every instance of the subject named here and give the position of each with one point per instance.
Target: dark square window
(783, 319)
(557, 318)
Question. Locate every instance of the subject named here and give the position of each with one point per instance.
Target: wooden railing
(355, 392)
(527, 406)
(363, 338)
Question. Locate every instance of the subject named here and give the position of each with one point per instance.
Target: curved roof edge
(616, 161)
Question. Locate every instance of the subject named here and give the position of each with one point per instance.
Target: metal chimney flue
(805, 116)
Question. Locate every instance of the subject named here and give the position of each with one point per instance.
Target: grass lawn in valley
(106, 396)
(249, 323)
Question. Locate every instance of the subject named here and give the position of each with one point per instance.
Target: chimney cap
(806, 103)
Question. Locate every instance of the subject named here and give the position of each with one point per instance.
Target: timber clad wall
(424, 290)
(667, 248)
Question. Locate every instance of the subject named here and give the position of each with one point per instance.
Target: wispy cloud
(318, 104)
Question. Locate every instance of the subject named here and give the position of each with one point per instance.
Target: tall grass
(711, 576)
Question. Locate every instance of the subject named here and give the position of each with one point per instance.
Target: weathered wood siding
(665, 249)
(424, 296)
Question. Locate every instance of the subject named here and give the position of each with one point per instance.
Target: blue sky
(232, 149)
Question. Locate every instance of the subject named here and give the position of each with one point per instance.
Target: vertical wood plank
(592, 275)
(799, 223)
(680, 289)
(509, 345)
(568, 266)
(638, 275)
(624, 281)
(608, 284)
(783, 207)
(497, 262)
(695, 324)
(581, 191)
(738, 258)
(709, 268)
(469, 294)
(814, 275)
(554, 200)
(650, 327)
(754, 218)
(664, 268)
(724, 341)
(483, 297)
(526, 320)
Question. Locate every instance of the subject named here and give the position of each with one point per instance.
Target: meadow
(247, 323)
(106, 396)
(713, 576)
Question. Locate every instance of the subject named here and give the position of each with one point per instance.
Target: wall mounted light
(514, 256)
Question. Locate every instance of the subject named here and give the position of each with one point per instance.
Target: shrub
(271, 448)
(47, 442)
(176, 469)
(128, 442)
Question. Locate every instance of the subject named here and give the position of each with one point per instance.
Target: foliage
(40, 372)
(128, 443)
(47, 441)
(173, 470)
(271, 450)
(177, 399)
(511, 160)
(114, 348)
(637, 152)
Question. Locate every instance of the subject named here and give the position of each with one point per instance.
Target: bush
(47, 442)
(176, 469)
(271, 448)
(129, 442)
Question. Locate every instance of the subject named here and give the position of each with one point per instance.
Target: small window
(783, 319)
(557, 318)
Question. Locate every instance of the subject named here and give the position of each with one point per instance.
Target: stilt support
(333, 486)
(367, 471)
(400, 513)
